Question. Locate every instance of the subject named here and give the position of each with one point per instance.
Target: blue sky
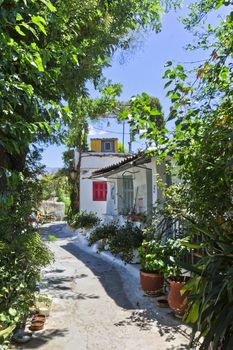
(142, 71)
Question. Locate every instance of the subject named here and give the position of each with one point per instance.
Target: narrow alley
(97, 306)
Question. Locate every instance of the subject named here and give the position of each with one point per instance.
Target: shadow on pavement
(41, 338)
(57, 230)
(110, 279)
(106, 273)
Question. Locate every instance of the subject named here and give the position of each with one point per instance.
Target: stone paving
(97, 306)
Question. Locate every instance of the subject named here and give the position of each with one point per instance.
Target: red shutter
(99, 190)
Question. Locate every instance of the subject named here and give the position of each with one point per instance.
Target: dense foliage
(48, 52)
(145, 116)
(22, 252)
(201, 145)
(56, 185)
(83, 219)
(125, 243)
(121, 240)
(103, 232)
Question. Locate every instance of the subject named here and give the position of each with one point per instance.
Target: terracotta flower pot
(163, 303)
(135, 217)
(37, 325)
(151, 282)
(38, 317)
(176, 301)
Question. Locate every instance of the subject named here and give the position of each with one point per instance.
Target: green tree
(49, 50)
(201, 144)
(145, 116)
(56, 185)
(48, 53)
(121, 148)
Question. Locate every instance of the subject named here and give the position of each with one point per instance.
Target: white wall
(52, 207)
(140, 187)
(90, 162)
(153, 166)
(95, 160)
(140, 190)
(112, 199)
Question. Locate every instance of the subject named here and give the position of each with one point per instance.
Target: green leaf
(12, 312)
(166, 73)
(219, 4)
(7, 331)
(175, 97)
(180, 68)
(57, 125)
(38, 62)
(39, 21)
(172, 115)
(168, 63)
(19, 17)
(193, 314)
(75, 58)
(155, 112)
(52, 238)
(145, 95)
(168, 84)
(49, 5)
(18, 30)
(192, 245)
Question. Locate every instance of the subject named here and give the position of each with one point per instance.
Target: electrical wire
(111, 131)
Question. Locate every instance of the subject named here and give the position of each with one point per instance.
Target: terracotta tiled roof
(135, 159)
(104, 138)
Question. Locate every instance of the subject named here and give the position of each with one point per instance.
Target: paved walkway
(96, 306)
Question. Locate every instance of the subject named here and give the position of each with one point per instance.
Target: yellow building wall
(116, 146)
(96, 145)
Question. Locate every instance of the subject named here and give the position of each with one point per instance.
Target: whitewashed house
(132, 184)
(93, 193)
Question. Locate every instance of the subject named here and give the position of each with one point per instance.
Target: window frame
(99, 191)
(103, 146)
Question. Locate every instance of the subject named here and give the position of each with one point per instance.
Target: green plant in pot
(137, 217)
(153, 266)
(176, 252)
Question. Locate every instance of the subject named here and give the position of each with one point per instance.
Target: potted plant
(176, 279)
(137, 217)
(153, 266)
(43, 304)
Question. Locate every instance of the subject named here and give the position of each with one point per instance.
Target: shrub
(20, 263)
(128, 238)
(122, 240)
(22, 251)
(104, 232)
(83, 220)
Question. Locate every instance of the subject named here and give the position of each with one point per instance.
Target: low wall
(57, 209)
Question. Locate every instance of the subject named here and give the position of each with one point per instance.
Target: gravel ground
(97, 305)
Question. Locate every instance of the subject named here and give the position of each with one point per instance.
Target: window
(125, 193)
(99, 190)
(107, 146)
